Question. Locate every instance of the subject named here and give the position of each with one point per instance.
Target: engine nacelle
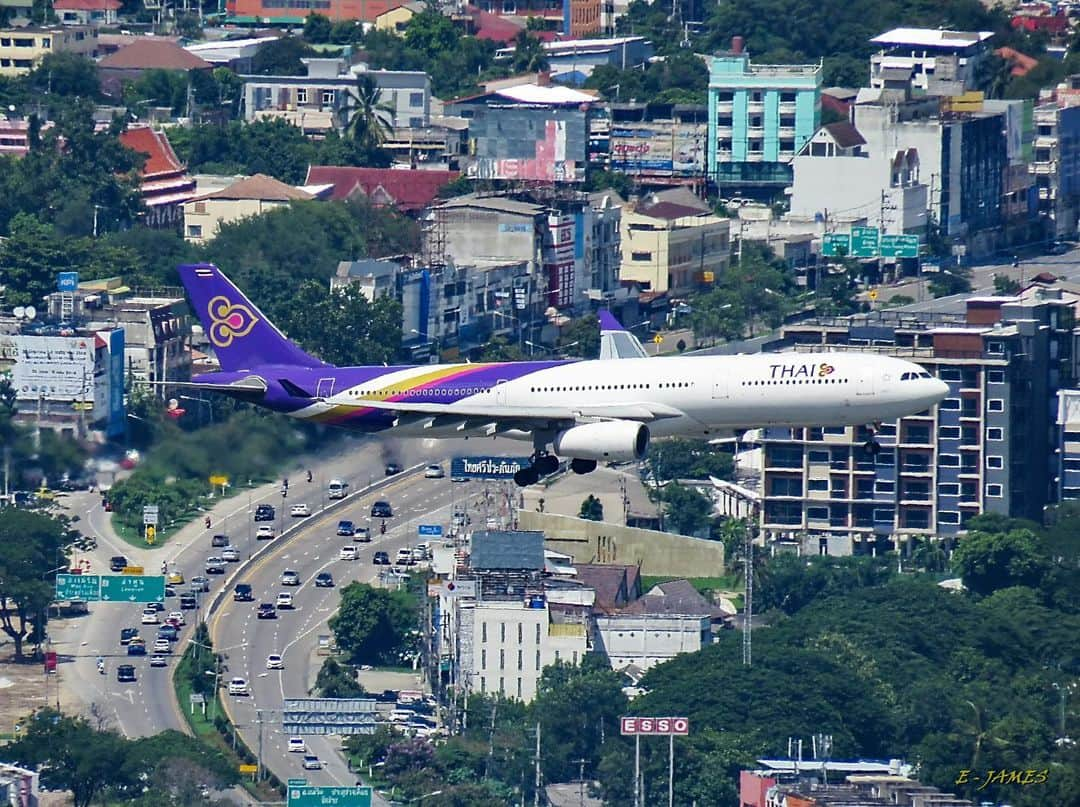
(605, 441)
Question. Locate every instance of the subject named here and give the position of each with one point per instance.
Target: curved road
(314, 548)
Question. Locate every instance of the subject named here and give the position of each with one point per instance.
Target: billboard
(487, 467)
(527, 143)
(328, 716)
(665, 149)
(652, 726)
(54, 368)
(117, 412)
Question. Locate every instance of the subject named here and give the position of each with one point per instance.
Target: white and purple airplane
(587, 411)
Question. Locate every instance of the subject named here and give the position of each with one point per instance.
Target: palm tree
(529, 55)
(370, 120)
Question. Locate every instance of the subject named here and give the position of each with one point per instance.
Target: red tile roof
(87, 5)
(150, 53)
(261, 187)
(161, 160)
(406, 190)
(845, 134)
(491, 26)
(1022, 64)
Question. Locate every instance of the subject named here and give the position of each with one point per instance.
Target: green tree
(990, 561)
(336, 680)
(66, 74)
(581, 337)
(952, 281)
(592, 509)
(343, 327)
(680, 458)
(1005, 285)
(499, 348)
(431, 33)
(317, 28)
(686, 510)
(529, 55)
(34, 546)
(372, 624)
(71, 755)
(282, 57)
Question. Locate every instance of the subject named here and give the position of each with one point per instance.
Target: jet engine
(604, 441)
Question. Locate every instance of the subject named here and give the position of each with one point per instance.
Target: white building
(837, 180)
(936, 61)
(646, 640)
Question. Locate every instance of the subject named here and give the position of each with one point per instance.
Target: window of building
(725, 96)
(24, 42)
(5, 42)
(915, 518)
(755, 121)
(301, 95)
(948, 489)
(538, 661)
(787, 121)
(538, 634)
(819, 456)
(519, 689)
(194, 231)
(502, 685)
(949, 432)
(521, 659)
(785, 457)
(949, 373)
(995, 405)
(995, 376)
(948, 517)
(995, 433)
(817, 513)
(483, 684)
(995, 462)
(949, 460)
(994, 491)
(884, 486)
(883, 515)
(724, 120)
(521, 633)
(786, 486)
(483, 631)
(502, 659)
(509, 7)
(996, 348)
(502, 631)
(817, 484)
(886, 457)
(483, 659)
(725, 144)
(950, 404)
(46, 42)
(787, 98)
(787, 144)
(327, 97)
(755, 146)
(416, 100)
(641, 256)
(756, 97)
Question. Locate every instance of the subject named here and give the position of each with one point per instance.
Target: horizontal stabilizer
(251, 384)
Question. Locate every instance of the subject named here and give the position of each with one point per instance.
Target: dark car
(117, 563)
(381, 559)
(1059, 248)
(381, 509)
(188, 602)
(264, 512)
(393, 468)
(324, 580)
(135, 648)
(267, 611)
(242, 593)
(219, 540)
(168, 632)
(345, 528)
(387, 696)
(157, 606)
(125, 672)
(127, 634)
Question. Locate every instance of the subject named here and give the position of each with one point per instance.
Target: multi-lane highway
(312, 549)
(147, 705)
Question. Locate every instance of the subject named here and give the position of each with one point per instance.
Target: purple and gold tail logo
(229, 321)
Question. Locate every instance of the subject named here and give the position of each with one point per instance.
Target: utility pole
(748, 595)
(581, 781)
(259, 761)
(536, 788)
(637, 770)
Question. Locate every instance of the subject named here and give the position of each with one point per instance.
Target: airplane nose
(940, 390)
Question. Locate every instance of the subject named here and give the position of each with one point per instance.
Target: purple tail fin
(242, 336)
(608, 321)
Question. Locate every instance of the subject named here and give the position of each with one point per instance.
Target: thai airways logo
(825, 369)
(229, 321)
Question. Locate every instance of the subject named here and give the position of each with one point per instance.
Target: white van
(337, 489)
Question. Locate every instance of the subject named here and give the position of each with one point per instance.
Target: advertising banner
(487, 467)
(56, 368)
(659, 148)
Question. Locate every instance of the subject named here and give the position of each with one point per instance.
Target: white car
(290, 578)
(264, 532)
(275, 662)
(230, 555)
(434, 472)
(238, 686)
(297, 745)
(215, 565)
(312, 763)
(348, 553)
(300, 511)
(159, 661)
(162, 646)
(284, 600)
(150, 617)
(178, 616)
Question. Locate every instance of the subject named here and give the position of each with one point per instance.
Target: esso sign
(663, 726)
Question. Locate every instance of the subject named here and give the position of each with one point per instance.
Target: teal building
(759, 118)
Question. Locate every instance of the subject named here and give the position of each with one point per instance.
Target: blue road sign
(487, 467)
(430, 530)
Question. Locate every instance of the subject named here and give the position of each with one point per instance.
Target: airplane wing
(644, 412)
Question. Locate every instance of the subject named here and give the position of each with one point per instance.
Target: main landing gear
(546, 464)
(872, 447)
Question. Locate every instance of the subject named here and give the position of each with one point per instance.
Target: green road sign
(80, 587)
(297, 783)
(311, 796)
(899, 246)
(132, 588)
(864, 242)
(836, 245)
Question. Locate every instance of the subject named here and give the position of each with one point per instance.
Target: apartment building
(935, 61)
(1056, 166)
(22, 48)
(990, 446)
(759, 118)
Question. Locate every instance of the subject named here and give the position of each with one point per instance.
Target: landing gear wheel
(872, 447)
(526, 476)
(545, 465)
(579, 466)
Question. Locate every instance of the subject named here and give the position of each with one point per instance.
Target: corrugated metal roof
(510, 549)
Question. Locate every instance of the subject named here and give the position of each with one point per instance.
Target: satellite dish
(31, 312)
(19, 312)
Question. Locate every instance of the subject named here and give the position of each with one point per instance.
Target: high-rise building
(759, 117)
(990, 446)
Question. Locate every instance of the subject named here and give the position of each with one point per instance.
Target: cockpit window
(925, 375)
(906, 376)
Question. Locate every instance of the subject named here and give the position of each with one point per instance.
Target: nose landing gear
(872, 447)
